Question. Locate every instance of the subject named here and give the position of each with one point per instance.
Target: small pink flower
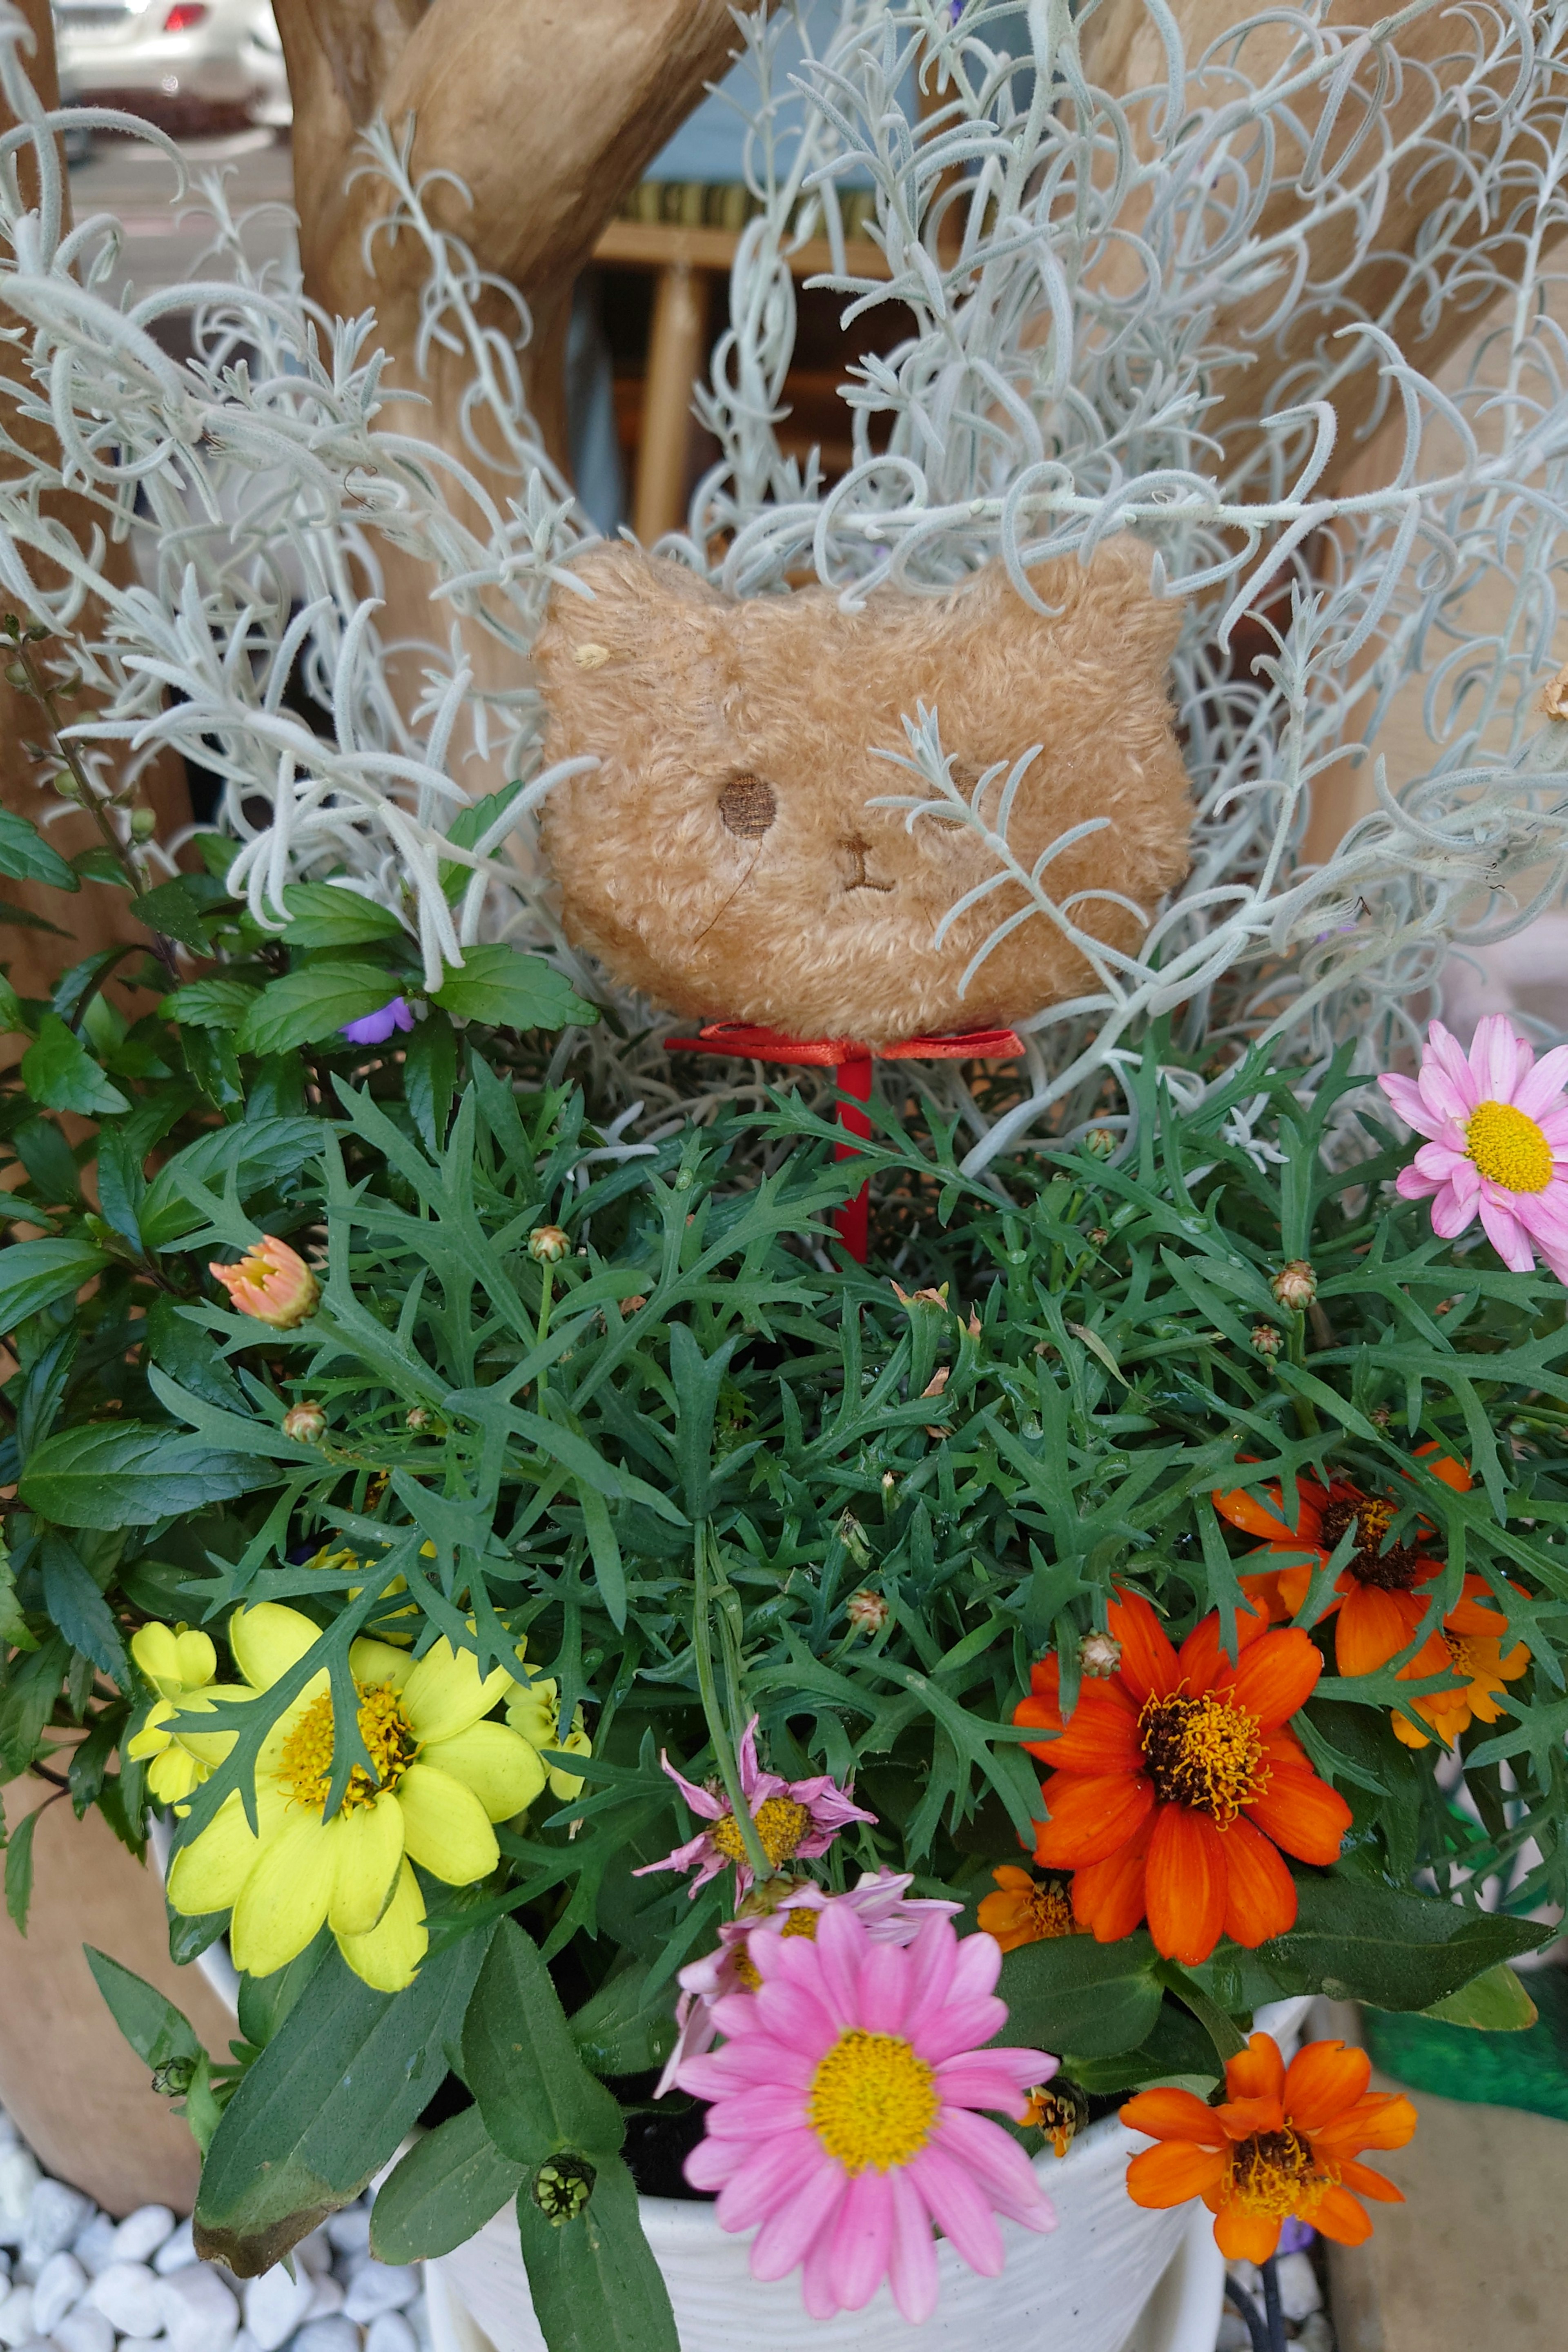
(796, 1820)
(842, 2117)
(879, 1901)
(1498, 1127)
(271, 1282)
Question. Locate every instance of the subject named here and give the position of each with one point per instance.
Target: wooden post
(674, 355)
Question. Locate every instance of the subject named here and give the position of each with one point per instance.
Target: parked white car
(187, 63)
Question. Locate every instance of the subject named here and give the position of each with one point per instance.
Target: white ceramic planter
(1109, 2278)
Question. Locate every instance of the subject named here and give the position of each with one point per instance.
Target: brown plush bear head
(726, 858)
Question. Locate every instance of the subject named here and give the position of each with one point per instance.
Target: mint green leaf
(172, 910)
(447, 2187)
(77, 1609)
(259, 1153)
(26, 856)
(210, 1004)
(314, 1003)
(129, 1474)
(216, 852)
(35, 1274)
(59, 1073)
(321, 915)
(100, 864)
(509, 990)
(12, 1017)
(19, 1870)
(26, 920)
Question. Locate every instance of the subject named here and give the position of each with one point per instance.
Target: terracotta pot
(76, 2089)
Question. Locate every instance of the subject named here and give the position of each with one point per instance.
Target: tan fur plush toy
(724, 857)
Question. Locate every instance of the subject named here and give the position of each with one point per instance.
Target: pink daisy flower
(1498, 1147)
(891, 1916)
(796, 1820)
(842, 2119)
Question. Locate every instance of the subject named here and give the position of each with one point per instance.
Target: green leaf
(27, 1697)
(1356, 1940)
(35, 1274)
(26, 920)
(259, 1154)
(429, 1074)
(26, 856)
(19, 1870)
(210, 1004)
(216, 852)
(314, 1003)
(324, 915)
(14, 1633)
(58, 1072)
(1495, 2003)
(100, 864)
(130, 1473)
(13, 1020)
(172, 910)
(447, 2187)
(620, 2030)
(1071, 1993)
(179, 1346)
(154, 2028)
(520, 2061)
(466, 827)
(509, 990)
(593, 2280)
(77, 1608)
(326, 2105)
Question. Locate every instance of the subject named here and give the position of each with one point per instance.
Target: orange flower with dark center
(1283, 2144)
(1026, 1910)
(1380, 1593)
(1175, 1784)
(1469, 1643)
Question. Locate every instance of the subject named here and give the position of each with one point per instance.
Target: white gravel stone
(334, 2334)
(1299, 2293)
(19, 2175)
(58, 2287)
(244, 2342)
(200, 2315)
(16, 2317)
(176, 2253)
(94, 2246)
(1234, 2335)
(9, 2135)
(56, 2214)
(350, 2230)
(128, 2293)
(327, 2298)
(391, 2333)
(377, 2287)
(143, 2344)
(275, 2304)
(142, 2234)
(1317, 2334)
(84, 2330)
(314, 2253)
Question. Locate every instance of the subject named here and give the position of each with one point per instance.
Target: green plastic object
(1527, 2070)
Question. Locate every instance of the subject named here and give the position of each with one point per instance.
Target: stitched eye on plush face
(748, 806)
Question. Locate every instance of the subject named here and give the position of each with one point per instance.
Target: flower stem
(1257, 2325)
(543, 1383)
(718, 1730)
(1229, 2040)
(1272, 2305)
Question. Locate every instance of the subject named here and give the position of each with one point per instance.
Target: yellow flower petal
(445, 1828)
(388, 1957)
(531, 1708)
(152, 1738)
(174, 1774)
(267, 1640)
(208, 1874)
(195, 1660)
(567, 1785)
(155, 1650)
(285, 1897)
(443, 1694)
(503, 1771)
(367, 1841)
(378, 1662)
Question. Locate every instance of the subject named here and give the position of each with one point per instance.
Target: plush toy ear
(630, 592)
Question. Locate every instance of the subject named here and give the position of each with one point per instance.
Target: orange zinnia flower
(1379, 1593)
(1026, 1910)
(1283, 2144)
(271, 1282)
(1468, 1644)
(1175, 1782)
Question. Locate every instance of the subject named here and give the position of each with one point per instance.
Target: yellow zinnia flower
(534, 1710)
(440, 1777)
(181, 1665)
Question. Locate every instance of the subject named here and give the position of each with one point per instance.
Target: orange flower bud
(271, 1282)
(547, 1244)
(306, 1422)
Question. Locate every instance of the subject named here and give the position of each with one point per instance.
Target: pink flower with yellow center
(842, 2127)
(1497, 1126)
(271, 1282)
(795, 1820)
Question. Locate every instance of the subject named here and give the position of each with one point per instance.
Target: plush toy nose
(748, 806)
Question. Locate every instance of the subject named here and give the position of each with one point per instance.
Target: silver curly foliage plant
(1090, 275)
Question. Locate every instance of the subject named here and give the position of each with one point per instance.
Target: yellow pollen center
(873, 2101)
(1049, 1909)
(1276, 2173)
(780, 1826)
(1466, 1657)
(305, 1765)
(1506, 1145)
(1206, 1753)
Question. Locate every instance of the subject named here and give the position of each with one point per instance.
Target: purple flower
(376, 1028)
(1295, 2237)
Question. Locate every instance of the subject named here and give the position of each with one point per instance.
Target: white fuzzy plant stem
(1074, 262)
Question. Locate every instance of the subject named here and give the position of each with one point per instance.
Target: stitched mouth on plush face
(861, 878)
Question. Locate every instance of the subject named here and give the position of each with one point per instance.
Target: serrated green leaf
(26, 856)
(100, 864)
(58, 1072)
(75, 1607)
(447, 2187)
(324, 915)
(315, 1002)
(429, 1074)
(257, 1154)
(35, 1274)
(19, 1870)
(210, 1004)
(509, 990)
(129, 1474)
(172, 910)
(26, 920)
